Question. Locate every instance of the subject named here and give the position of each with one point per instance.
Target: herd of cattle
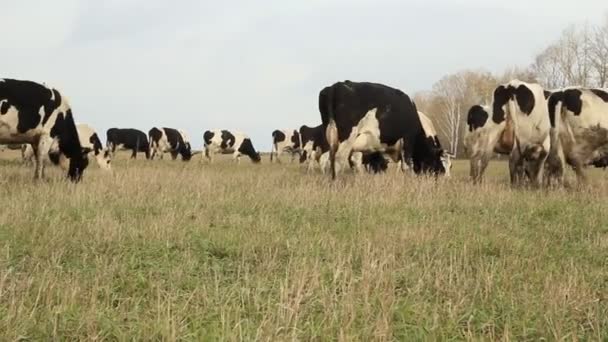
(363, 127)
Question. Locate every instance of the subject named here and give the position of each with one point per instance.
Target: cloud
(257, 66)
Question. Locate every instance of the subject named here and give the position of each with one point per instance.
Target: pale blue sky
(255, 66)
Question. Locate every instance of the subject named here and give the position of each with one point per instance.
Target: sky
(256, 66)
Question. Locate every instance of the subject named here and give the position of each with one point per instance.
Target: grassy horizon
(190, 251)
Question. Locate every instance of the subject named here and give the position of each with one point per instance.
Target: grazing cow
(374, 118)
(170, 140)
(226, 142)
(376, 163)
(287, 140)
(579, 130)
(482, 139)
(313, 144)
(523, 109)
(433, 139)
(32, 113)
(89, 140)
(128, 139)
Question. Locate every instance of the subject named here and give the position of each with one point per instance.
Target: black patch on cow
(132, 139)
(155, 135)
(525, 99)
(69, 144)
(278, 136)
(247, 149)
(207, 136)
(177, 143)
(55, 157)
(50, 107)
(94, 140)
(295, 139)
(476, 118)
(547, 94)
(554, 99)
(375, 162)
(601, 94)
(227, 140)
(4, 107)
(501, 97)
(572, 101)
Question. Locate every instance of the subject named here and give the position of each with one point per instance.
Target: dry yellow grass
(189, 251)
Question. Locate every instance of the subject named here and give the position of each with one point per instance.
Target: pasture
(189, 251)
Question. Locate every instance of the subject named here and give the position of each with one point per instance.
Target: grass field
(188, 251)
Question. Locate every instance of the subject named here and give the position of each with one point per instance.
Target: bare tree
(599, 54)
(450, 91)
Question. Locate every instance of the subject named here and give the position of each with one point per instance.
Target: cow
(287, 140)
(433, 139)
(482, 139)
(33, 113)
(312, 145)
(127, 139)
(89, 140)
(376, 163)
(374, 118)
(579, 131)
(170, 140)
(226, 142)
(523, 109)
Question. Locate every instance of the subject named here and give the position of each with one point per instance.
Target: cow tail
(331, 134)
(272, 147)
(331, 131)
(555, 164)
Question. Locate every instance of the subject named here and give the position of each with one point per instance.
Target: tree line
(578, 57)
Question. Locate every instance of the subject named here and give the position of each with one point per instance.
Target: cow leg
(516, 168)
(41, 150)
(134, 154)
(208, 155)
(173, 155)
(483, 165)
(577, 167)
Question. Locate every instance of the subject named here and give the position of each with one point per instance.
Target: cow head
(104, 159)
(186, 152)
(247, 149)
(78, 164)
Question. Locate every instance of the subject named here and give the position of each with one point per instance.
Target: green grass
(189, 251)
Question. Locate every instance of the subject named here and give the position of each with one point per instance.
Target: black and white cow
(127, 139)
(579, 130)
(523, 109)
(287, 140)
(483, 138)
(89, 140)
(170, 140)
(433, 139)
(313, 145)
(374, 118)
(226, 142)
(32, 113)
